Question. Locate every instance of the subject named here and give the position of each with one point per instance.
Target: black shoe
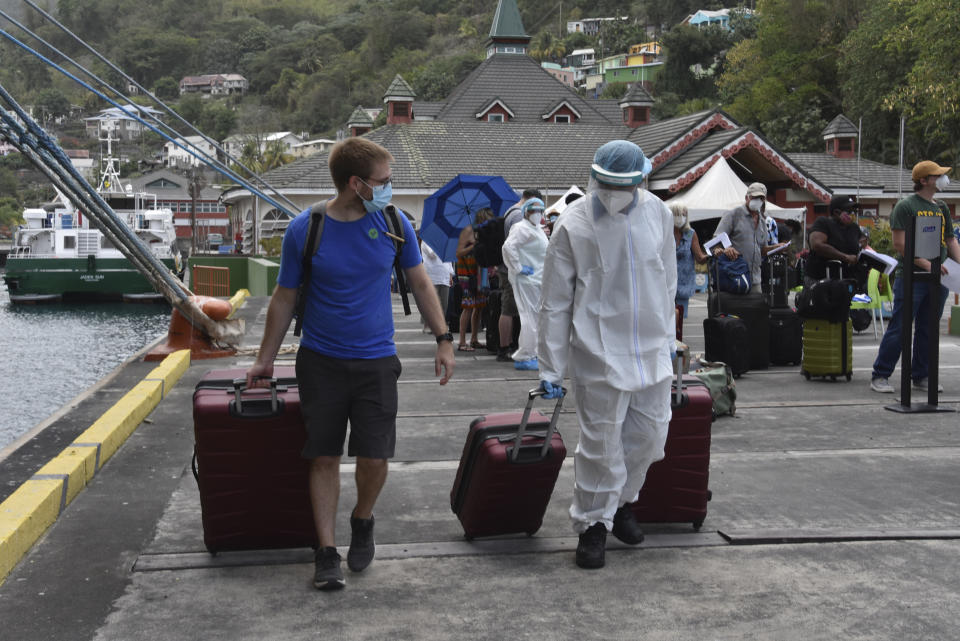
(327, 574)
(590, 549)
(503, 355)
(362, 547)
(625, 526)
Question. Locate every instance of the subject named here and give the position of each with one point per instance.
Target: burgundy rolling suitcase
(501, 488)
(675, 490)
(252, 479)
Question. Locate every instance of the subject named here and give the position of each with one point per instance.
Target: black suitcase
(786, 337)
(779, 281)
(754, 311)
(727, 340)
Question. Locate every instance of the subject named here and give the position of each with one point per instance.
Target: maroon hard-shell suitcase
(253, 481)
(503, 489)
(675, 490)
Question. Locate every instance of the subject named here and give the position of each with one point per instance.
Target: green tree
(790, 67)
(10, 212)
(52, 103)
(693, 58)
(166, 88)
(614, 90)
(546, 46)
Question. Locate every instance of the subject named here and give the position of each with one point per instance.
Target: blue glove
(526, 270)
(673, 355)
(551, 390)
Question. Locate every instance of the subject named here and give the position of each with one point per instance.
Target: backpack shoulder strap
(397, 236)
(318, 213)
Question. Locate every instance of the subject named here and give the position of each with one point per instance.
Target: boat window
(105, 243)
(69, 242)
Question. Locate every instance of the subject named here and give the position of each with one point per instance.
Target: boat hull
(36, 280)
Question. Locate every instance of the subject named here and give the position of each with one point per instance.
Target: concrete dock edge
(27, 513)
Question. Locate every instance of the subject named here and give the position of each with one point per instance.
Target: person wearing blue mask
(607, 320)
(347, 365)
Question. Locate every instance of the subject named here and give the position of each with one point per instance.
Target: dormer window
(495, 111)
(562, 112)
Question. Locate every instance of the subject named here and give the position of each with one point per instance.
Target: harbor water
(52, 353)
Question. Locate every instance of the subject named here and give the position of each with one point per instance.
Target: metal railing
(210, 281)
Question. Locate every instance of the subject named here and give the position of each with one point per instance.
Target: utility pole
(197, 181)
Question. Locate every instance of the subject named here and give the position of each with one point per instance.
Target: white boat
(60, 254)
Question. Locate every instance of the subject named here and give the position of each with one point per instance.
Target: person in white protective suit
(607, 319)
(523, 254)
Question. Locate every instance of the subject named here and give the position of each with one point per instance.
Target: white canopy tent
(720, 190)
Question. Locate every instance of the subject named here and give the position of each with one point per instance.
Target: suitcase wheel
(849, 377)
(697, 525)
(806, 374)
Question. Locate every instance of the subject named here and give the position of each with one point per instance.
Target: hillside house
(217, 84)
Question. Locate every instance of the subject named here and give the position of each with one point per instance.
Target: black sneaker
(625, 526)
(503, 355)
(327, 574)
(590, 549)
(362, 547)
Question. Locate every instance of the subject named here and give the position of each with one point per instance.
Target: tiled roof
(840, 125)
(656, 136)
(360, 117)
(637, 95)
(699, 151)
(430, 153)
(399, 89)
(522, 84)
(426, 109)
(841, 174)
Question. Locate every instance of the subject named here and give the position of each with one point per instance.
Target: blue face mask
(381, 196)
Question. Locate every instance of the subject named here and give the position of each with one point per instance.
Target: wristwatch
(444, 337)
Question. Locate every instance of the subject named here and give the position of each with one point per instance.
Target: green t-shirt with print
(904, 213)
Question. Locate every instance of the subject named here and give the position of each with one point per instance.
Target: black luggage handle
(240, 386)
(522, 428)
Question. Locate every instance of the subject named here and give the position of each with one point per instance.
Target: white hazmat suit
(526, 245)
(607, 319)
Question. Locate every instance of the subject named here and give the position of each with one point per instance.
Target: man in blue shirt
(347, 365)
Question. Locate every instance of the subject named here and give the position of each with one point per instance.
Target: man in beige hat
(746, 227)
(928, 179)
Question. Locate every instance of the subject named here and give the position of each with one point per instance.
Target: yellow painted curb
(35, 505)
(238, 299)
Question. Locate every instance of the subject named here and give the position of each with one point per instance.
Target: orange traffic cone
(183, 335)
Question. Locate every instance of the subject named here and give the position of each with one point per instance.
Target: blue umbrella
(452, 207)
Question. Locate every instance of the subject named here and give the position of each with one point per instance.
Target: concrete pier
(832, 518)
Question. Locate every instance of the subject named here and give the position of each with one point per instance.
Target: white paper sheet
(722, 239)
(951, 280)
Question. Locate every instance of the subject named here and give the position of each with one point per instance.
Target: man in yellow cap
(928, 179)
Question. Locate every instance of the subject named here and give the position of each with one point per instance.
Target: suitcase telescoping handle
(240, 385)
(522, 428)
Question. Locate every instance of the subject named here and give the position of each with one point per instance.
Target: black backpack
(826, 299)
(488, 249)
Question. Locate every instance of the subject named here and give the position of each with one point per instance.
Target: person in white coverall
(607, 319)
(523, 254)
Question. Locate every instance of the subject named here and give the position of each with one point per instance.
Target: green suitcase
(827, 349)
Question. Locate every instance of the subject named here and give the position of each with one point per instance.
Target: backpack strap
(314, 232)
(395, 231)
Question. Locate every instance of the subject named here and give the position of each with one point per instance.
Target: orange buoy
(182, 335)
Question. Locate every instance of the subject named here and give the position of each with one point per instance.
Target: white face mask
(679, 221)
(615, 200)
(536, 218)
(755, 204)
(943, 182)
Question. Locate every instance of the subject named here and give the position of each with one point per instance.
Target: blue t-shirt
(349, 312)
